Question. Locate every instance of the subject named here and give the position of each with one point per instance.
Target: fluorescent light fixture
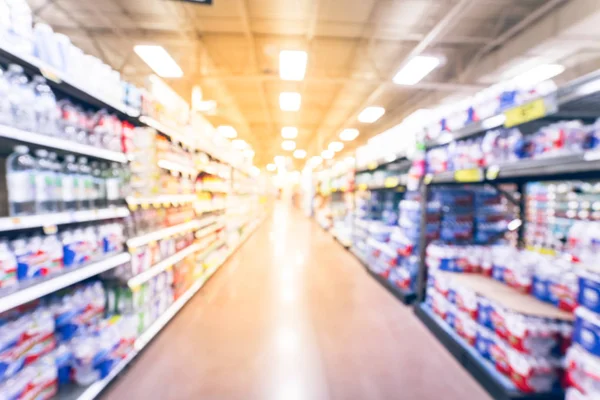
(289, 101)
(300, 154)
(292, 65)
(315, 160)
(288, 145)
(540, 73)
(239, 144)
(371, 114)
(159, 60)
(271, 167)
(249, 153)
(289, 132)
(327, 154)
(279, 160)
(415, 70)
(227, 131)
(347, 135)
(335, 146)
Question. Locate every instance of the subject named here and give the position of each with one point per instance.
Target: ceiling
(354, 48)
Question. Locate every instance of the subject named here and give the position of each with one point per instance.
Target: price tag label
(492, 172)
(50, 74)
(50, 229)
(468, 175)
(372, 165)
(156, 205)
(145, 206)
(390, 182)
(362, 186)
(427, 179)
(344, 188)
(133, 207)
(525, 113)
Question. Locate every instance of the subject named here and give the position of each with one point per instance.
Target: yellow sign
(525, 113)
(362, 186)
(372, 165)
(50, 229)
(427, 179)
(492, 173)
(50, 74)
(468, 175)
(390, 182)
(133, 207)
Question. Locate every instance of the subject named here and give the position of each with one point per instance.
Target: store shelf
(59, 81)
(94, 390)
(172, 133)
(162, 199)
(497, 385)
(9, 134)
(506, 296)
(162, 233)
(36, 290)
(162, 265)
(209, 210)
(60, 218)
(176, 167)
(399, 159)
(209, 230)
(406, 297)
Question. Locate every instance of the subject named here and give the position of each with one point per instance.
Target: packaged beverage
(113, 182)
(6, 115)
(8, 266)
(69, 120)
(20, 180)
(99, 186)
(44, 184)
(46, 112)
(56, 169)
(70, 184)
(83, 193)
(22, 97)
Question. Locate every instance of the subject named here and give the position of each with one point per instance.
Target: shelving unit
(61, 218)
(162, 233)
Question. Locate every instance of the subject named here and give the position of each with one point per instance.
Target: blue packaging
(484, 313)
(484, 342)
(541, 288)
(586, 330)
(589, 291)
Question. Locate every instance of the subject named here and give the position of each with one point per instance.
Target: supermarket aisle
(293, 316)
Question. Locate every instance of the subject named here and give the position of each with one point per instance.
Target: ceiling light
(289, 132)
(271, 167)
(292, 65)
(335, 146)
(300, 154)
(288, 145)
(371, 114)
(540, 73)
(315, 160)
(415, 70)
(227, 131)
(239, 144)
(159, 60)
(348, 135)
(289, 101)
(249, 153)
(279, 160)
(327, 154)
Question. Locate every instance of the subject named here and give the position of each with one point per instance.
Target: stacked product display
(110, 222)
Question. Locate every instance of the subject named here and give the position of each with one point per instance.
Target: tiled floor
(293, 316)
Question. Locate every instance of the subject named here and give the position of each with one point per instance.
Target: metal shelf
(60, 218)
(37, 140)
(58, 81)
(162, 233)
(496, 384)
(161, 199)
(36, 290)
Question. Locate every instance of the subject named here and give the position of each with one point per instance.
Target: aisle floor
(293, 316)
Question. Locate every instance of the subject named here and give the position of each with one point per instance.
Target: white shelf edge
(162, 265)
(57, 143)
(162, 233)
(176, 167)
(205, 232)
(164, 198)
(51, 285)
(59, 218)
(94, 390)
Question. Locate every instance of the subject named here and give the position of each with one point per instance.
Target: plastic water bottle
(99, 186)
(46, 111)
(20, 180)
(113, 185)
(84, 195)
(6, 117)
(70, 183)
(44, 179)
(21, 98)
(56, 168)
